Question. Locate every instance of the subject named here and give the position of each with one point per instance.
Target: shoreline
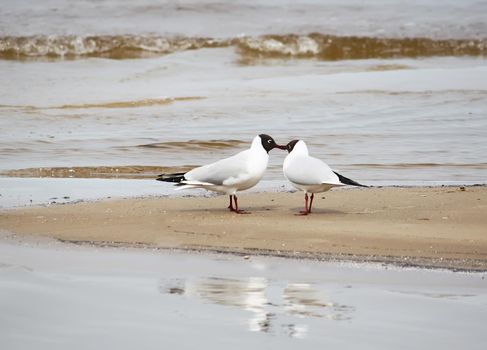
(386, 262)
(431, 227)
(400, 262)
(405, 262)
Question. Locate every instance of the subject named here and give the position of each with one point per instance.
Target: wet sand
(428, 227)
(58, 296)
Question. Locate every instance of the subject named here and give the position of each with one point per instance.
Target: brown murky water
(141, 86)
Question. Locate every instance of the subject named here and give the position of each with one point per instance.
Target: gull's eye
(269, 141)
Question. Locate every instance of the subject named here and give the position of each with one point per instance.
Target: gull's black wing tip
(346, 181)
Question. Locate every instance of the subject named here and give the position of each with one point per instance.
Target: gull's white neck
(256, 145)
(300, 149)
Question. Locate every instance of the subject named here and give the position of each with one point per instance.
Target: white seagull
(310, 174)
(237, 173)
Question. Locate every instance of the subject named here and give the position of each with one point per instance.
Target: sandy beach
(100, 97)
(428, 227)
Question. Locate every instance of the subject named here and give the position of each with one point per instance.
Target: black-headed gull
(310, 174)
(237, 173)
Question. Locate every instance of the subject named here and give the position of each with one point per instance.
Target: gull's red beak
(281, 147)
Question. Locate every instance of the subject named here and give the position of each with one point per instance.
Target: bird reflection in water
(247, 294)
(272, 304)
(303, 299)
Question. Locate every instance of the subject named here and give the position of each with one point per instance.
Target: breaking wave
(108, 46)
(329, 47)
(196, 145)
(315, 45)
(131, 104)
(118, 104)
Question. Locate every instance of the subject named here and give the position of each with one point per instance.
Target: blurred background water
(386, 92)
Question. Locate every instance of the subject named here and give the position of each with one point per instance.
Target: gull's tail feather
(174, 177)
(185, 184)
(347, 181)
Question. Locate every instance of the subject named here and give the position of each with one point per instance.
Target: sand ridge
(434, 227)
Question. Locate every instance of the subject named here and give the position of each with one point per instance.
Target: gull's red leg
(305, 211)
(238, 211)
(231, 204)
(311, 202)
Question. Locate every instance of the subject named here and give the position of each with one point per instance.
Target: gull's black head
(268, 143)
(290, 145)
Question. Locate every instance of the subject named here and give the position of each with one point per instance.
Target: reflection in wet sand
(303, 299)
(272, 305)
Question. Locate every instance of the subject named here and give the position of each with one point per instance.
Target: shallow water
(21, 192)
(398, 101)
(421, 124)
(17, 192)
(54, 296)
(219, 19)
